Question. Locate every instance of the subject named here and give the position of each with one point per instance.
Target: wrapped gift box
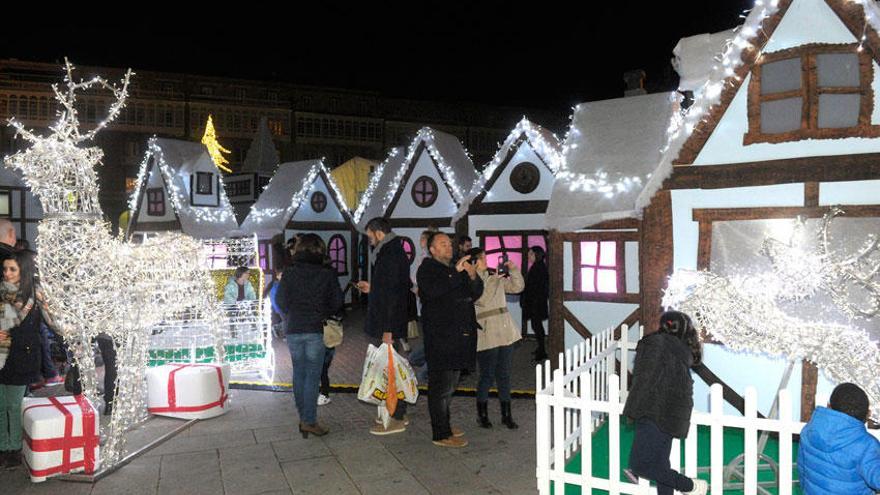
(60, 436)
(188, 391)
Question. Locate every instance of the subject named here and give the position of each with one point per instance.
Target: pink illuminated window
(409, 248)
(264, 247)
(515, 246)
(337, 252)
(598, 269)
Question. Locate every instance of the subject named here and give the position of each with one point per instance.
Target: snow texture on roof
(723, 74)
(262, 157)
(611, 149)
(694, 57)
(544, 142)
(177, 160)
(455, 167)
(284, 194)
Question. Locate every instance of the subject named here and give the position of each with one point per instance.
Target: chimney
(635, 82)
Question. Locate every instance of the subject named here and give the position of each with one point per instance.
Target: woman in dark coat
(309, 294)
(534, 299)
(22, 365)
(661, 399)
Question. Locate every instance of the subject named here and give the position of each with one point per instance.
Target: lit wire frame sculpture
(95, 283)
(744, 312)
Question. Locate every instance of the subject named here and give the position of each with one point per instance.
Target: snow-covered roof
(287, 189)
(694, 57)
(452, 161)
(262, 157)
(176, 160)
(612, 148)
(544, 142)
(723, 75)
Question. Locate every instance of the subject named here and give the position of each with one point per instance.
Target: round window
(424, 191)
(319, 201)
(525, 177)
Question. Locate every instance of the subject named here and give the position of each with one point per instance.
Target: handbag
(332, 332)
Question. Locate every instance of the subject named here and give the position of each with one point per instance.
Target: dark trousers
(649, 459)
(441, 385)
(47, 367)
(400, 410)
(108, 355)
(494, 368)
(538, 328)
(329, 352)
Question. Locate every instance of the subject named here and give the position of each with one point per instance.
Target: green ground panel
(734, 445)
(240, 352)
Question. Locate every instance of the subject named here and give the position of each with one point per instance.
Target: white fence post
(586, 433)
(614, 435)
(558, 421)
(542, 433)
(716, 440)
(785, 443)
(750, 463)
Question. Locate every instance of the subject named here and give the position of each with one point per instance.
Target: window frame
(574, 239)
(523, 250)
(424, 179)
(344, 259)
(158, 203)
(522, 187)
(318, 195)
(210, 181)
(809, 92)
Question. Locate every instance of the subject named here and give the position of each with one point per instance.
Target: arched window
(319, 201)
(409, 248)
(424, 191)
(337, 251)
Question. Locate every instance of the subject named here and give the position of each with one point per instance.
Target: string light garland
(743, 312)
(94, 283)
(215, 149)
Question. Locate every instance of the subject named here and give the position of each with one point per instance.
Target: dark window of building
(424, 191)
(156, 202)
(525, 177)
(318, 201)
(204, 183)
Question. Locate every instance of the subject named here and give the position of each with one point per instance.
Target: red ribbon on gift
(88, 441)
(172, 393)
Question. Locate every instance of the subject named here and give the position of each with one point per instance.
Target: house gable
(155, 180)
(404, 205)
(719, 136)
(499, 188)
(306, 212)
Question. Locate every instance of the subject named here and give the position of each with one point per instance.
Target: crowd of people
(456, 304)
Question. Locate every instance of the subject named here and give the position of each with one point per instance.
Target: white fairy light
(259, 215)
(743, 311)
(367, 196)
(93, 282)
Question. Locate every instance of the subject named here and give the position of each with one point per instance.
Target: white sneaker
(701, 487)
(323, 400)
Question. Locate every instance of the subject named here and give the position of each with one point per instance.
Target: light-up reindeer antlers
(67, 128)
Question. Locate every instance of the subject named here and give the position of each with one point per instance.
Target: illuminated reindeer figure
(93, 282)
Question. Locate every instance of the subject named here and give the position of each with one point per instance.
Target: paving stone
(299, 449)
(369, 463)
(322, 475)
(251, 470)
(190, 473)
(199, 443)
(400, 482)
(139, 477)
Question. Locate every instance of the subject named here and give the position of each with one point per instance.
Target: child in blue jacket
(837, 456)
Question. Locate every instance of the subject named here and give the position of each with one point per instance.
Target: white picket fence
(586, 391)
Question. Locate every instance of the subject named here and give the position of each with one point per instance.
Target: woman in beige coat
(495, 340)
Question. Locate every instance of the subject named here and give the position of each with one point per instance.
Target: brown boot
(452, 442)
(315, 429)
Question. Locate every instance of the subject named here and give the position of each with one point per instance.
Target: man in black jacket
(387, 308)
(450, 327)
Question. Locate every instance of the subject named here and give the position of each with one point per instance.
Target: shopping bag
(374, 387)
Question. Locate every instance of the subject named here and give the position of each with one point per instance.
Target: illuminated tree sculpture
(96, 283)
(215, 149)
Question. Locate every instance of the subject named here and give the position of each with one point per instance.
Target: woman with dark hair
(534, 299)
(661, 399)
(308, 294)
(238, 287)
(22, 365)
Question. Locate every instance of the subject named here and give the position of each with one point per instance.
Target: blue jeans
(494, 368)
(307, 353)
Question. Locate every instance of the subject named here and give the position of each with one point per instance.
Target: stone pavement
(256, 449)
(349, 359)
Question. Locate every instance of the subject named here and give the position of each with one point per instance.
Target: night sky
(549, 57)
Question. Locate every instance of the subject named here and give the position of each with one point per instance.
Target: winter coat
(308, 294)
(498, 327)
(448, 319)
(662, 388)
(25, 358)
(537, 292)
(390, 287)
(837, 456)
(230, 292)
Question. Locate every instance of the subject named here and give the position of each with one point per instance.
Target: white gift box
(188, 391)
(60, 436)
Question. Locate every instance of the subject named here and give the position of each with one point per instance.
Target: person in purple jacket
(837, 455)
